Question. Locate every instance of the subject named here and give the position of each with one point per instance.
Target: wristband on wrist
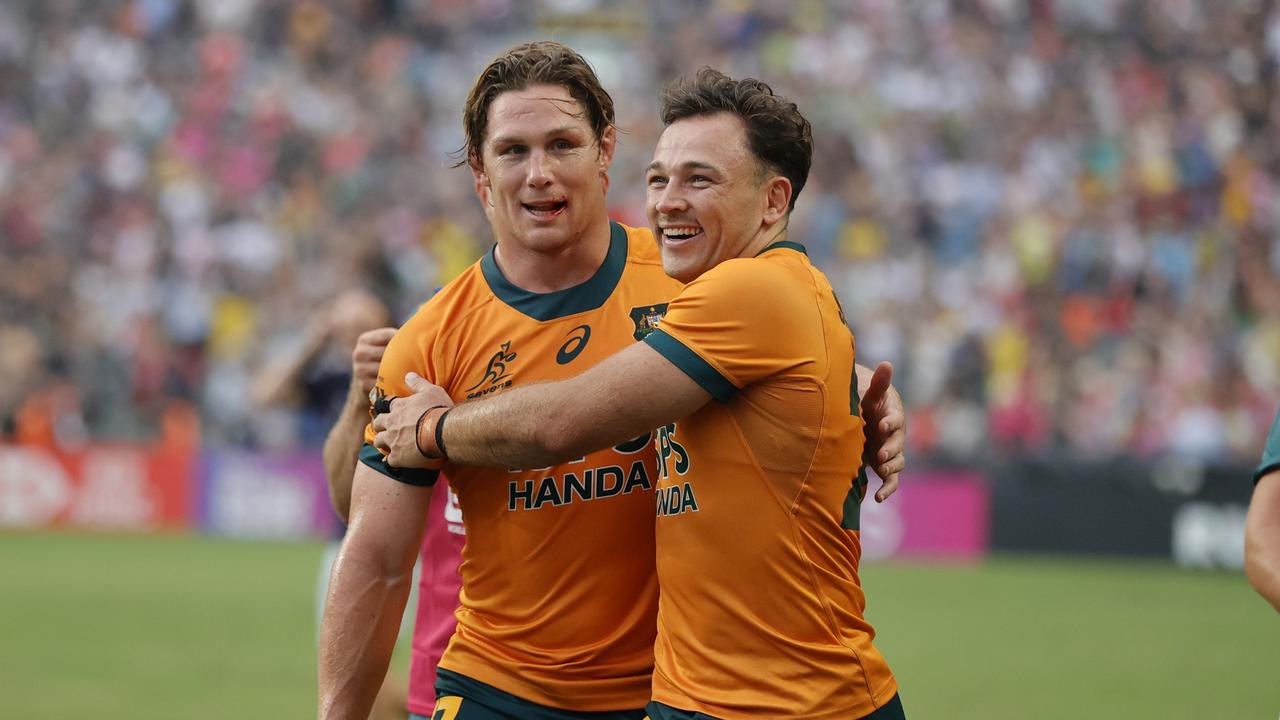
(427, 420)
(439, 434)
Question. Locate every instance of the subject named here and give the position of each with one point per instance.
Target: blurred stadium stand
(1058, 218)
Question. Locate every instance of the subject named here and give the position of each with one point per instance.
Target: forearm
(361, 619)
(624, 397)
(341, 451)
(1262, 539)
(530, 426)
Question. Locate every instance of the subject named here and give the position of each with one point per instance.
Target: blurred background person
(326, 376)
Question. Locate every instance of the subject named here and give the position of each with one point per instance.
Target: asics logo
(573, 347)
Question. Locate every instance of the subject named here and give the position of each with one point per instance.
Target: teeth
(545, 206)
(681, 232)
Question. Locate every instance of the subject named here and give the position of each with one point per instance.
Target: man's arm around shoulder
(626, 395)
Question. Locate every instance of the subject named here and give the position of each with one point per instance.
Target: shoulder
(463, 295)
(642, 249)
(644, 262)
(641, 245)
(758, 281)
(442, 314)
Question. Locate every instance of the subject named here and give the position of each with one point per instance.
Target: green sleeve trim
(692, 364)
(371, 456)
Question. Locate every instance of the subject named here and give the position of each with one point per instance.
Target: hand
(365, 359)
(886, 428)
(397, 428)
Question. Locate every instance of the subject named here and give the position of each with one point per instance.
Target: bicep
(387, 516)
(1264, 509)
(629, 394)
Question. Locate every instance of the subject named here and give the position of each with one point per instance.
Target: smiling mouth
(680, 233)
(546, 209)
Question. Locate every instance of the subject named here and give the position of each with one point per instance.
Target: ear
(777, 199)
(482, 182)
(608, 143)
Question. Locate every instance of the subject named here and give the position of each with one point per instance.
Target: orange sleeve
(411, 350)
(736, 324)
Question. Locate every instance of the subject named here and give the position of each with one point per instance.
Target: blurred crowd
(1060, 219)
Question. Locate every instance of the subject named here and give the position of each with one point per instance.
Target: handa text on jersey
(676, 499)
(590, 484)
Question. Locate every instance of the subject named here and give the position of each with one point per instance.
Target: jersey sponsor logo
(495, 376)
(670, 450)
(676, 500)
(646, 318)
(573, 347)
(589, 484)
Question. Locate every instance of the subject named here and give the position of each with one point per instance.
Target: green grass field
(178, 627)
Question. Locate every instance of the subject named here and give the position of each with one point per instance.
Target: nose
(669, 200)
(539, 174)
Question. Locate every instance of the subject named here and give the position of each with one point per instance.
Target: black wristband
(417, 431)
(440, 433)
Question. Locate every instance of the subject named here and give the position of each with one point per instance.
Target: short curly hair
(778, 135)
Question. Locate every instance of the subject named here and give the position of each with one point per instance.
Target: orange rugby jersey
(761, 611)
(559, 594)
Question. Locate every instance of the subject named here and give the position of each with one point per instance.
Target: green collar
(589, 295)
(784, 244)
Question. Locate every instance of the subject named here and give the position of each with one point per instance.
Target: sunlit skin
(543, 177)
(708, 199)
(1262, 538)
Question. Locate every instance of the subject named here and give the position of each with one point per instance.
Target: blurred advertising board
(1186, 511)
(264, 495)
(101, 487)
(935, 515)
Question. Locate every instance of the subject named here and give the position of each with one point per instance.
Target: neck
(764, 238)
(559, 268)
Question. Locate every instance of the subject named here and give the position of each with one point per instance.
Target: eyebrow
(687, 165)
(562, 130)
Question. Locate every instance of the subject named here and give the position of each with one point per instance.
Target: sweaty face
(705, 198)
(543, 170)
